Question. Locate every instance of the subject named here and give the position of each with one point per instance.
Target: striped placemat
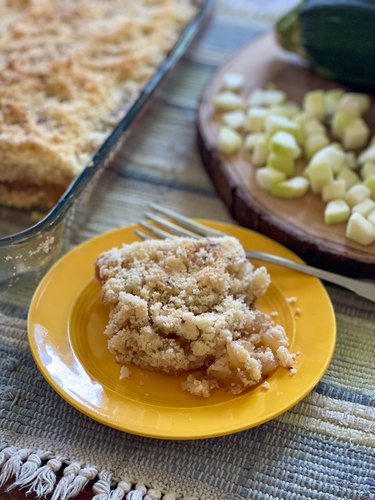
(323, 448)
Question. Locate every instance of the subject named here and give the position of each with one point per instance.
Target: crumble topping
(68, 70)
(185, 304)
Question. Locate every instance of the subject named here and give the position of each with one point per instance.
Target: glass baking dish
(27, 246)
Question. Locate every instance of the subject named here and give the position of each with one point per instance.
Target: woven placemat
(323, 448)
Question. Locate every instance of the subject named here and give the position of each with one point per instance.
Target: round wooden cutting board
(298, 223)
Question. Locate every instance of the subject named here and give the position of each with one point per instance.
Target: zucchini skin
(338, 38)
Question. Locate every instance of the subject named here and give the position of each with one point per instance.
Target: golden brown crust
(66, 68)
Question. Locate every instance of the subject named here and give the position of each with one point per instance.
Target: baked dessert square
(189, 305)
(69, 69)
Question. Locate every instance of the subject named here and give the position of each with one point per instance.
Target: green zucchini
(336, 36)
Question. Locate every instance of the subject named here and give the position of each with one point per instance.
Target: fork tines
(174, 225)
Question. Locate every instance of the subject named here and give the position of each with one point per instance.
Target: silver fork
(183, 226)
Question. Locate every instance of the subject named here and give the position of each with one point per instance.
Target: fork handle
(361, 288)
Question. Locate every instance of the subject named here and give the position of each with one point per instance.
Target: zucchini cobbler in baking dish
(184, 304)
(68, 71)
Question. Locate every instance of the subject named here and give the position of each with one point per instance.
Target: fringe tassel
(102, 488)
(12, 466)
(45, 478)
(138, 493)
(122, 489)
(6, 453)
(30, 469)
(69, 474)
(82, 478)
(26, 469)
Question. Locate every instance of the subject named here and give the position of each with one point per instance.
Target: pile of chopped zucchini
(274, 133)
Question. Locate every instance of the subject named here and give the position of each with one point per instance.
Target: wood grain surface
(297, 224)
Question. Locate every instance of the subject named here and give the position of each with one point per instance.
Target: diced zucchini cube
(260, 153)
(234, 119)
(292, 188)
(283, 163)
(292, 109)
(349, 176)
(354, 103)
(349, 105)
(367, 155)
(233, 82)
(336, 211)
(364, 100)
(351, 161)
(312, 127)
(331, 100)
(256, 98)
(267, 177)
(276, 123)
(268, 97)
(319, 174)
(356, 134)
(370, 184)
(302, 118)
(228, 101)
(332, 155)
(284, 144)
(255, 120)
(289, 110)
(229, 141)
(340, 121)
(275, 97)
(279, 111)
(364, 207)
(314, 143)
(360, 230)
(356, 194)
(333, 190)
(252, 139)
(368, 169)
(313, 103)
(371, 217)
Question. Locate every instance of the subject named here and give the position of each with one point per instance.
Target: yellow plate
(65, 326)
